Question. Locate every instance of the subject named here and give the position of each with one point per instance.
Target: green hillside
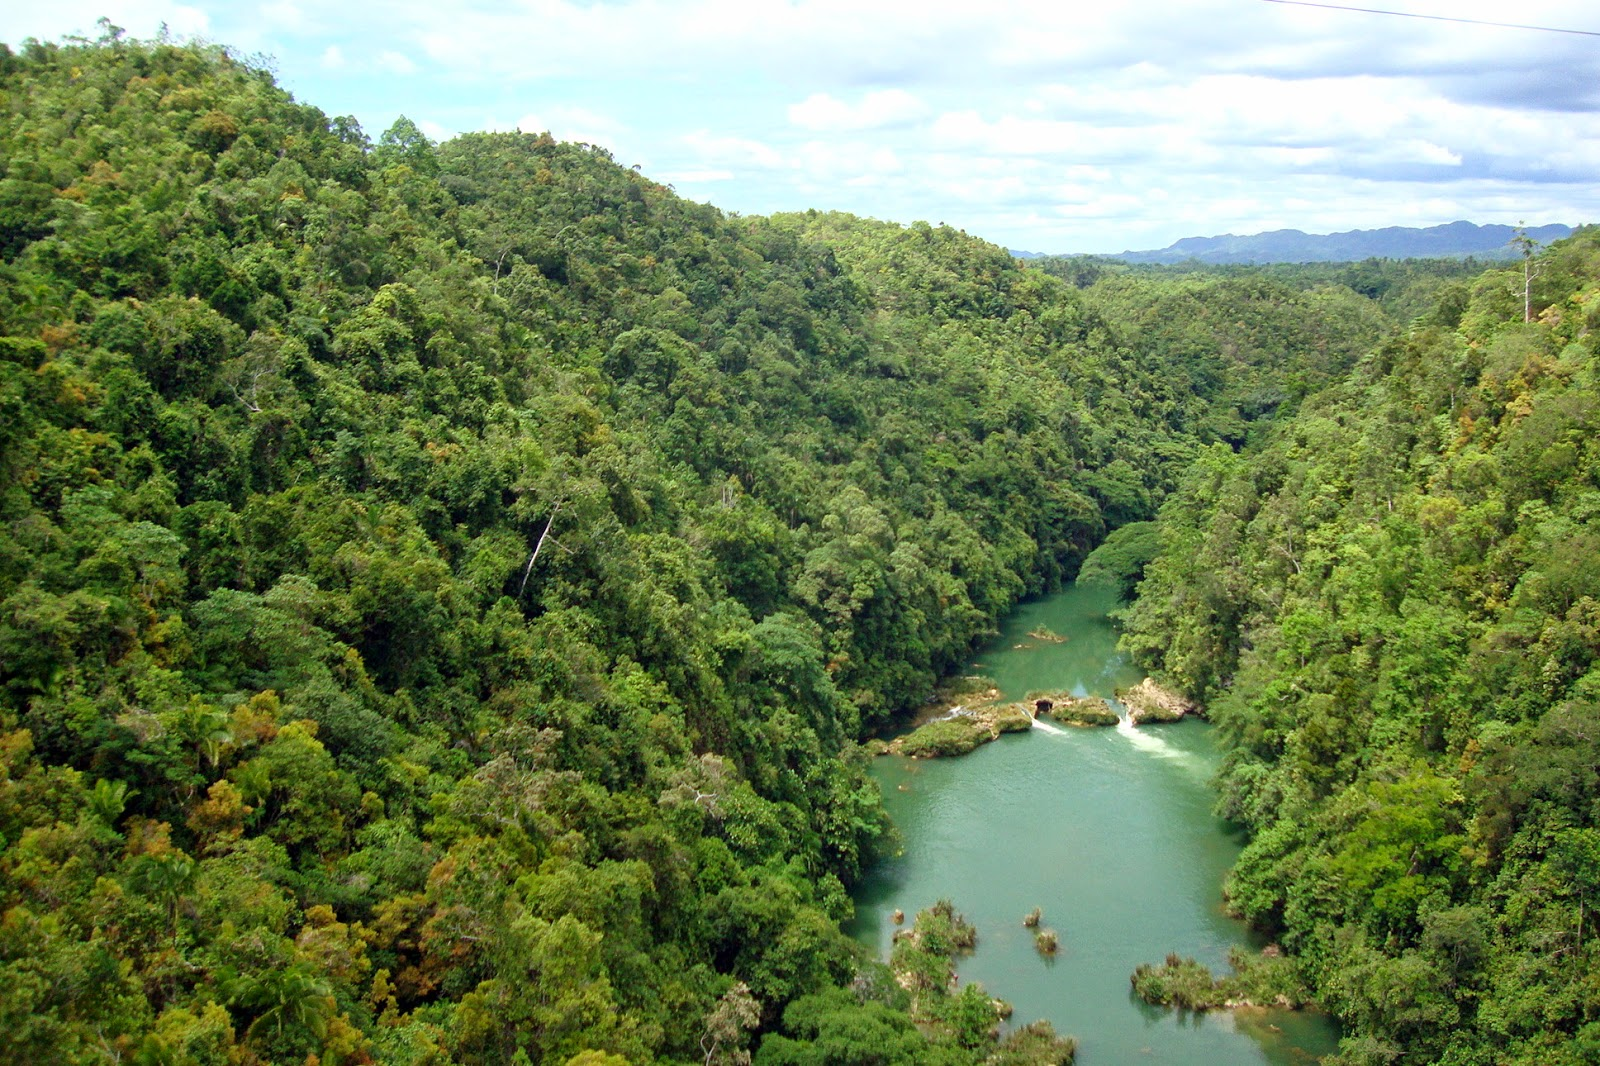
(1391, 611)
(444, 586)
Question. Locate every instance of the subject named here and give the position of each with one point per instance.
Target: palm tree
(288, 999)
(166, 878)
(108, 799)
(206, 727)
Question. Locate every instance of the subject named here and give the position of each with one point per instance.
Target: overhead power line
(1437, 18)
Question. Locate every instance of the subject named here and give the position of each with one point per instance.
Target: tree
(1526, 245)
(727, 1026)
(291, 1000)
(166, 877)
(404, 142)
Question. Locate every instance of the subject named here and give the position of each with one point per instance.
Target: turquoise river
(1110, 831)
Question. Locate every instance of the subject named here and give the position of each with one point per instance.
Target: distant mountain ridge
(1455, 239)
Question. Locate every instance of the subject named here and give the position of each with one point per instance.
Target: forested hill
(442, 586)
(1458, 239)
(1393, 612)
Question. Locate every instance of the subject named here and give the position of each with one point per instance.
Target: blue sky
(1042, 126)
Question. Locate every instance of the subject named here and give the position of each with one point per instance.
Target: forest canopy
(1390, 608)
(444, 586)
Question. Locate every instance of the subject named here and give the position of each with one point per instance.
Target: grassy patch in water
(1270, 979)
(963, 731)
(949, 736)
(1068, 709)
(1012, 718)
(1035, 1044)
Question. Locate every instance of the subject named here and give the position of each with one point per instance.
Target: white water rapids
(1046, 727)
(1148, 741)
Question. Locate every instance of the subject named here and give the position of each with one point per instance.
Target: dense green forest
(444, 587)
(1392, 610)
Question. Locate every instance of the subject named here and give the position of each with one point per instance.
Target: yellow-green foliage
(1010, 718)
(442, 585)
(1265, 980)
(1072, 710)
(946, 737)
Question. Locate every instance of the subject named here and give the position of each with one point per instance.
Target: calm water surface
(1110, 831)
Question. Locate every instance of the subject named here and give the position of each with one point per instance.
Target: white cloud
(877, 109)
(333, 58)
(1422, 151)
(878, 167)
(847, 162)
(397, 63)
(733, 151)
(283, 14)
(570, 123)
(187, 21)
(694, 177)
(1155, 138)
(650, 36)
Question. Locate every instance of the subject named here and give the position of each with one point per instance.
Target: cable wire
(1436, 18)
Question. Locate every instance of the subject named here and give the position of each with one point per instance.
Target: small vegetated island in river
(445, 589)
(968, 714)
(1269, 979)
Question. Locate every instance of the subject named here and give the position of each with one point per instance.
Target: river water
(1109, 831)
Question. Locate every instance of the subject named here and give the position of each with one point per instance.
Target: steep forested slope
(442, 586)
(1393, 612)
